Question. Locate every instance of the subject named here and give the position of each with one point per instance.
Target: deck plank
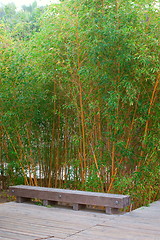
(31, 222)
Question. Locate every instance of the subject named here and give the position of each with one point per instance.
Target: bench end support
(109, 210)
(77, 206)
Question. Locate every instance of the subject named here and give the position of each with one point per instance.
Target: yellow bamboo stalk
(96, 164)
(151, 104)
(52, 143)
(31, 157)
(112, 180)
(19, 159)
(153, 97)
(82, 118)
(83, 128)
(51, 156)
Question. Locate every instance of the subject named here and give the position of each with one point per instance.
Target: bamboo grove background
(80, 97)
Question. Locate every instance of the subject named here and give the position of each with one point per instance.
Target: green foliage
(142, 185)
(93, 182)
(80, 95)
(15, 173)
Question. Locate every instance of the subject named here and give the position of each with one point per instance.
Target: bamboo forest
(79, 96)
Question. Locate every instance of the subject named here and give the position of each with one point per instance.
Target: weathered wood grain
(77, 198)
(30, 222)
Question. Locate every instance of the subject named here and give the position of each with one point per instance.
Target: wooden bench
(78, 199)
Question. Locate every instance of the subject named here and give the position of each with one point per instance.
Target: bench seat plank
(71, 196)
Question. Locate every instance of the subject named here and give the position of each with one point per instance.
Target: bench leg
(22, 199)
(77, 206)
(48, 202)
(109, 210)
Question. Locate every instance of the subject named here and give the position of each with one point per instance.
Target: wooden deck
(23, 221)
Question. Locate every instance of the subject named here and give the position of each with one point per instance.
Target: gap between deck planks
(30, 222)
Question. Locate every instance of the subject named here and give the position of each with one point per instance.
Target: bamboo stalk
(52, 143)
(153, 97)
(82, 128)
(51, 156)
(19, 160)
(151, 104)
(96, 164)
(31, 157)
(81, 100)
(57, 156)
